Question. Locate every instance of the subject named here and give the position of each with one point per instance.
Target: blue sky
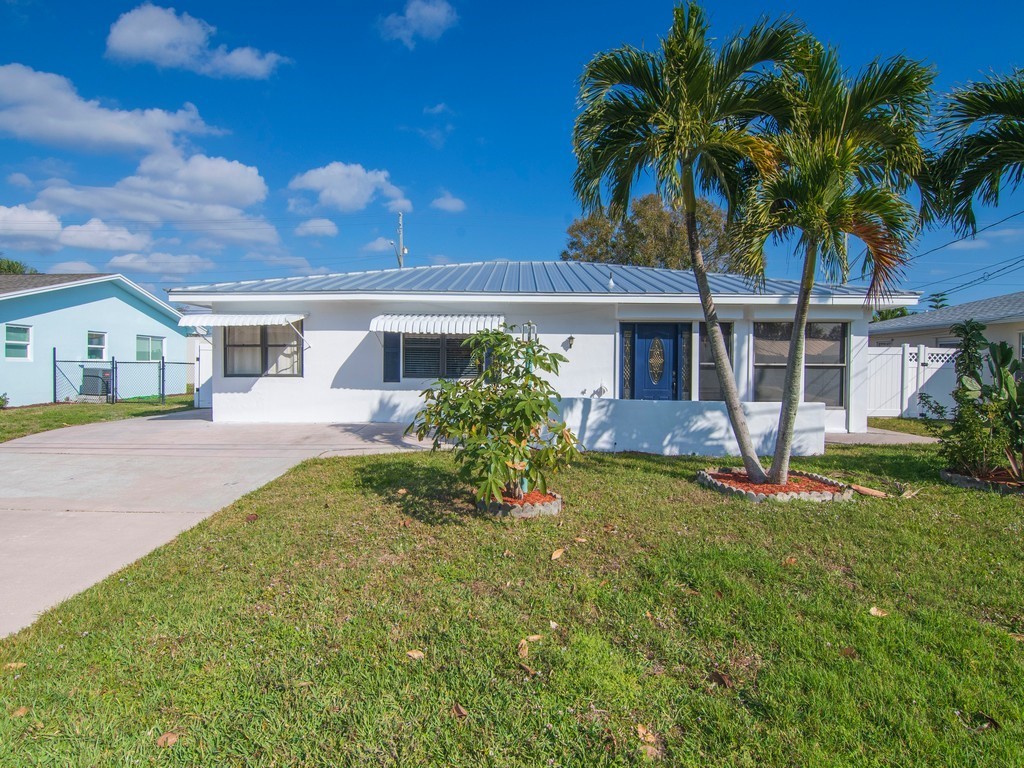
(198, 142)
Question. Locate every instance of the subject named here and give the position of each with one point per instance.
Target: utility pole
(400, 249)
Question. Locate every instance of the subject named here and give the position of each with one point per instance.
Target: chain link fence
(112, 381)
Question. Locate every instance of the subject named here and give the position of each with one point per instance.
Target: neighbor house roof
(506, 278)
(15, 286)
(996, 309)
(19, 283)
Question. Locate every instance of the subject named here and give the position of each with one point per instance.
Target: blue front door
(655, 371)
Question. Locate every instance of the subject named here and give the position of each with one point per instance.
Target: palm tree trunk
(723, 366)
(792, 389)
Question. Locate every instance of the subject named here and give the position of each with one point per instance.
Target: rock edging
(842, 492)
(974, 484)
(523, 511)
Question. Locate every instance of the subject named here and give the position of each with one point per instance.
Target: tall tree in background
(982, 131)
(938, 300)
(651, 236)
(683, 114)
(889, 313)
(850, 152)
(12, 267)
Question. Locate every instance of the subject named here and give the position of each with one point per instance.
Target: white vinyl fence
(898, 375)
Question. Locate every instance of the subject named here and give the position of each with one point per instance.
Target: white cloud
(204, 195)
(160, 263)
(350, 187)
(298, 264)
(448, 202)
(1007, 232)
(45, 108)
(436, 136)
(968, 245)
(428, 19)
(437, 109)
(73, 268)
(19, 180)
(97, 235)
(378, 245)
(162, 37)
(317, 228)
(26, 229)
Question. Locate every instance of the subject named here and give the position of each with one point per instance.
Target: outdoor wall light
(570, 341)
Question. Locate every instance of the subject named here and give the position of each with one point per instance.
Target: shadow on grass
(432, 495)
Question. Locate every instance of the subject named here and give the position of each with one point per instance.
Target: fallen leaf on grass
(557, 554)
(252, 518)
(1017, 636)
(848, 652)
(459, 711)
(15, 665)
(876, 611)
(554, 625)
(20, 712)
(722, 679)
(404, 523)
(534, 638)
(978, 722)
(650, 746)
(609, 528)
(580, 540)
(789, 562)
(645, 734)
(865, 491)
(402, 491)
(523, 649)
(168, 739)
(527, 669)
(414, 654)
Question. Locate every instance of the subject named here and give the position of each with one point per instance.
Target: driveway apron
(80, 503)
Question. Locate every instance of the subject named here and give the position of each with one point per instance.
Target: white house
(89, 320)
(360, 347)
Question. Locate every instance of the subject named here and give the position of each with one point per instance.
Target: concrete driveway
(80, 503)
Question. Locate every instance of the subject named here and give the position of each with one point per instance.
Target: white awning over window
(233, 321)
(454, 324)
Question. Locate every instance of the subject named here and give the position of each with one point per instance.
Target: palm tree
(982, 131)
(849, 152)
(683, 114)
(12, 267)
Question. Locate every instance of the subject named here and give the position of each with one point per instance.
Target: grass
(20, 422)
(923, 427)
(276, 632)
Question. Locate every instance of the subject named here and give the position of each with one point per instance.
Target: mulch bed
(999, 480)
(802, 486)
(530, 497)
(533, 504)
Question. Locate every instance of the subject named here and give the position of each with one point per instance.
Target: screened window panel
(281, 335)
(142, 348)
(421, 358)
(825, 344)
(458, 360)
(96, 345)
(709, 387)
(825, 385)
(18, 334)
(768, 384)
(771, 343)
(284, 361)
(17, 339)
(246, 334)
(243, 361)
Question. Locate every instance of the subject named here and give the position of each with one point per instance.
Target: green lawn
(734, 634)
(19, 422)
(910, 426)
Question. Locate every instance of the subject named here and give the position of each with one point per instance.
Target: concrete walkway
(877, 437)
(80, 503)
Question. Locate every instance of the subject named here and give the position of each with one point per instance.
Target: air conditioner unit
(96, 381)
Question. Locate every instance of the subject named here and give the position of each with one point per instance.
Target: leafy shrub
(976, 439)
(1004, 398)
(502, 423)
(4, 400)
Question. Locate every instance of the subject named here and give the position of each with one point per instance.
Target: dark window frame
(264, 348)
(443, 339)
(728, 329)
(842, 366)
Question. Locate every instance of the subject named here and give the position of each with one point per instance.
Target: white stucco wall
(343, 365)
(994, 332)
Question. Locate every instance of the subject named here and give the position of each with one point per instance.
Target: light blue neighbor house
(85, 323)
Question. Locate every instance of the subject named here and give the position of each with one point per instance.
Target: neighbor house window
(708, 385)
(149, 348)
(96, 346)
(18, 342)
(824, 362)
(268, 350)
(436, 357)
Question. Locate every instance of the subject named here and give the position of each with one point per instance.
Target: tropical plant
(4, 400)
(502, 423)
(682, 113)
(982, 130)
(889, 313)
(938, 300)
(1004, 397)
(849, 152)
(651, 236)
(12, 267)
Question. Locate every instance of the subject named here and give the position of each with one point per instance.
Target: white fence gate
(897, 376)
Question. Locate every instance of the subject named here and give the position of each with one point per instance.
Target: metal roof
(516, 277)
(995, 309)
(19, 283)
